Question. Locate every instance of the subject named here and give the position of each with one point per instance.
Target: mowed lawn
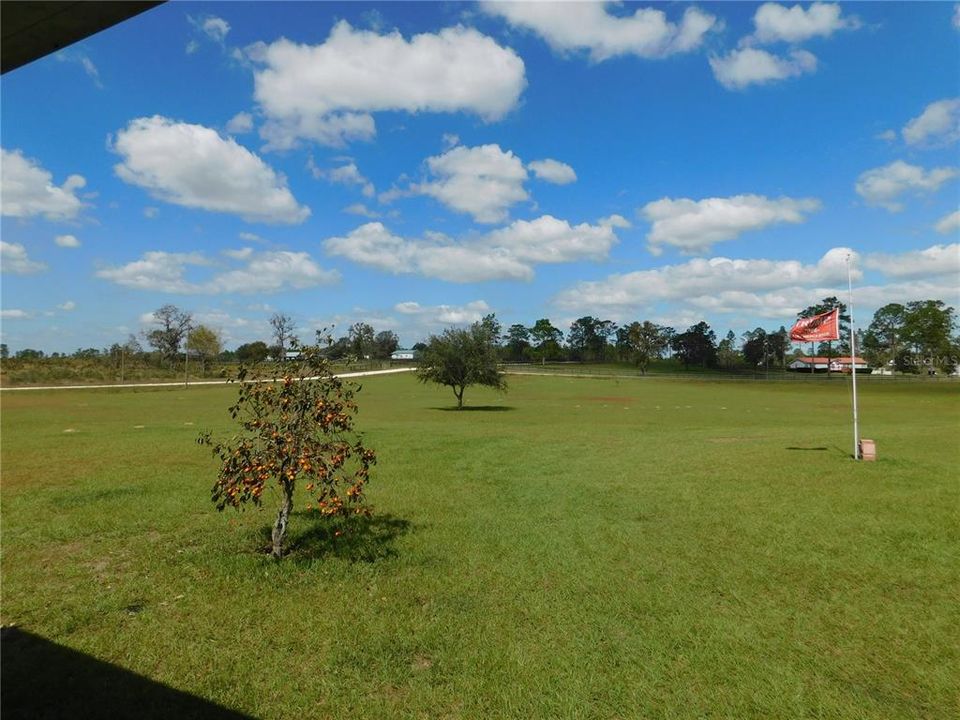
(577, 548)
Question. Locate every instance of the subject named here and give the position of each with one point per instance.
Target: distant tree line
(913, 337)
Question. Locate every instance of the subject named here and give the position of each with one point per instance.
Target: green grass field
(577, 548)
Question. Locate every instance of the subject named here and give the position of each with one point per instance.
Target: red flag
(825, 326)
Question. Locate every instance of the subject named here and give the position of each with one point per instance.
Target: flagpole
(853, 368)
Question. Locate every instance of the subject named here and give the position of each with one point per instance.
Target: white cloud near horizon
(27, 189)
(883, 186)
(694, 226)
(263, 272)
(14, 314)
(466, 314)
(327, 93)
(194, 166)
(931, 262)
(590, 27)
(767, 288)
(14, 260)
(508, 253)
(938, 124)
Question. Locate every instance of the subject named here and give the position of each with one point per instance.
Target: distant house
(403, 355)
(822, 364)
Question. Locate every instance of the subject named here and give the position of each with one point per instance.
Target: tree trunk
(459, 394)
(283, 516)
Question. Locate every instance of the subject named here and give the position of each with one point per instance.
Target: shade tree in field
(459, 358)
(295, 425)
(174, 324)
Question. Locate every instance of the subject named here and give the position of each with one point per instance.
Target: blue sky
(420, 165)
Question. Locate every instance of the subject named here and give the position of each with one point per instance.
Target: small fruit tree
(296, 422)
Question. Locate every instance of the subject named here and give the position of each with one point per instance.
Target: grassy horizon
(574, 548)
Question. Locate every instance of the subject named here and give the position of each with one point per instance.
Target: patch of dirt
(421, 662)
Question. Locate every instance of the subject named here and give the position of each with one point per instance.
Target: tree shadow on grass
(477, 408)
(45, 681)
(355, 538)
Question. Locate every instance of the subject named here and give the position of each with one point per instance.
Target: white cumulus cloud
(67, 306)
(216, 28)
(27, 189)
(348, 174)
(259, 272)
(240, 123)
(553, 171)
(327, 92)
(482, 181)
(933, 261)
(508, 253)
(883, 186)
(949, 223)
(14, 314)
(589, 26)
(67, 241)
(14, 260)
(193, 166)
(777, 23)
(361, 210)
(749, 65)
(713, 283)
(694, 226)
(939, 123)
(445, 314)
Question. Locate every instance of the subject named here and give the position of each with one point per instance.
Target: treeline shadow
(356, 538)
(42, 680)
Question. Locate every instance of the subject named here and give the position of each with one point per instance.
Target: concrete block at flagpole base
(868, 450)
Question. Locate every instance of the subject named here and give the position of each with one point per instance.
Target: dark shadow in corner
(821, 447)
(45, 681)
(360, 538)
(477, 408)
